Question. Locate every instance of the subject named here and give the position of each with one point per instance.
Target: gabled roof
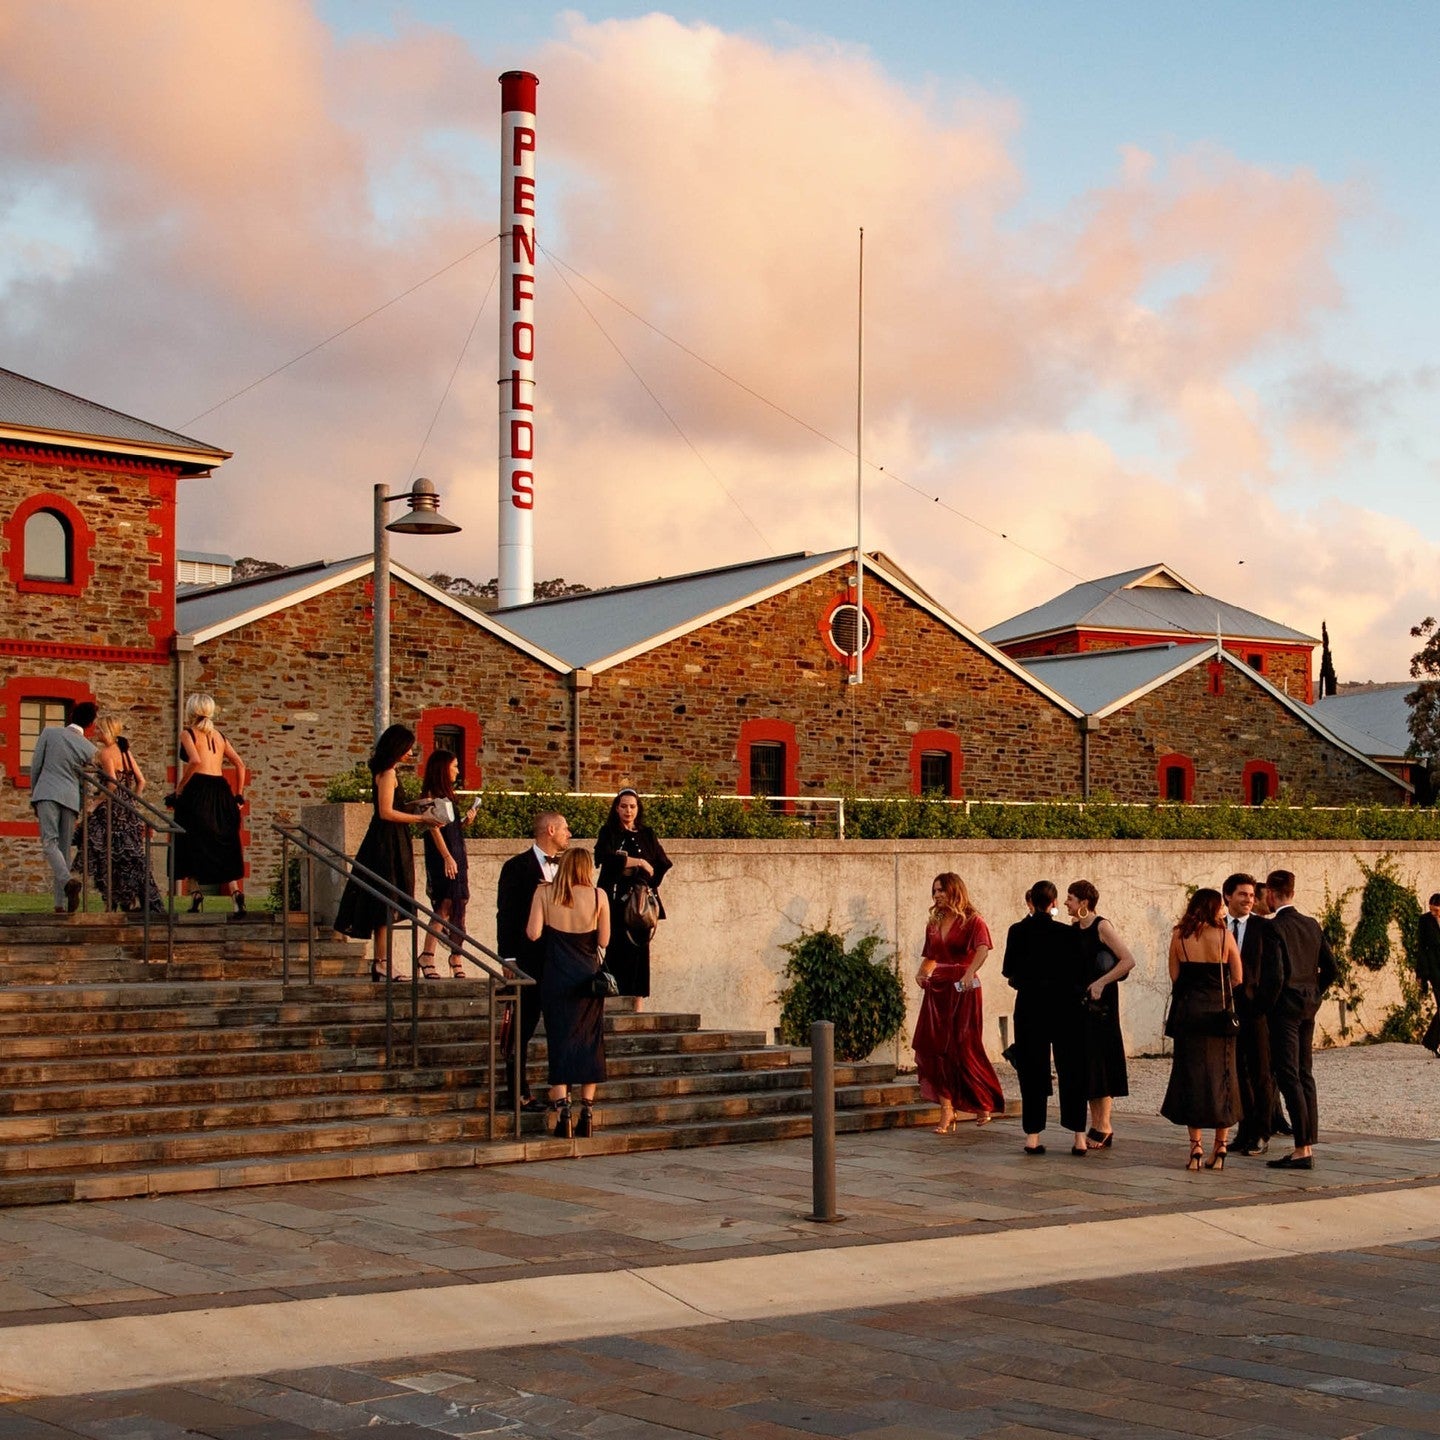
(206, 612)
(39, 414)
(605, 627)
(1380, 718)
(1099, 679)
(1151, 600)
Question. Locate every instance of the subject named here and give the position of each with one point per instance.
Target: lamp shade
(424, 517)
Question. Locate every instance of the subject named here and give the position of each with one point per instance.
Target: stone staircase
(118, 1078)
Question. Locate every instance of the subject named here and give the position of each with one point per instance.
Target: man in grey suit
(1309, 973)
(60, 754)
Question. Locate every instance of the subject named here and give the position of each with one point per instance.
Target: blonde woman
(208, 853)
(115, 853)
(571, 914)
(949, 1045)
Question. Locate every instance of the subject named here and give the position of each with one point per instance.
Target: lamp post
(424, 519)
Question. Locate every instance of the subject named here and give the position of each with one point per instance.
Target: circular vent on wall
(843, 620)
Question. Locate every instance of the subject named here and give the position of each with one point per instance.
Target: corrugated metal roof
(210, 605)
(31, 405)
(1098, 678)
(1379, 718)
(1106, 604)
(204, 557)
(584, 630)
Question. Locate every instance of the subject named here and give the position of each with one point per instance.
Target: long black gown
(574, 1022)
(1203, 1092)
(1104, 1043)
(389, 851)
(628, 956)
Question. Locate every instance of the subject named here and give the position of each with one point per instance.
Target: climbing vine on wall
(1386, 900)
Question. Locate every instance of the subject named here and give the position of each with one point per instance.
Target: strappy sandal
(457, 968)
(427, 965)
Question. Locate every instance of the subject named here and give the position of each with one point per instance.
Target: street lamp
(424, 519)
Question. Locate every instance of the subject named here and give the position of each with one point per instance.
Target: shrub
(860, 993)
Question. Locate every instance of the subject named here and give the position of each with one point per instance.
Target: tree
(247, 567)
(1424, 699)
(1328, 683)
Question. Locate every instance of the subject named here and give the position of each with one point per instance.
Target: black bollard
(822, 1122)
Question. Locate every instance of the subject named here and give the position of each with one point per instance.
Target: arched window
(1175, 779)
(445, 727)
(49, 548)
(936, 764)
(1259, 781)
(766, 756)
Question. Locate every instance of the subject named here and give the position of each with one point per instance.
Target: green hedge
(697, 813)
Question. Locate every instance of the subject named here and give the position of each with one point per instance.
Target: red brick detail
(27, 687)
(82, 544)
(877, 629)
(469, 722)
(101, 654)
(1258, 767)
(85, 459)
(948, 741)
(1168, 762)
(1215, 676)
(161, 542)
(765, 730)
(27, 829)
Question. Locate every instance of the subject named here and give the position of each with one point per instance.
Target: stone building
(87, 566)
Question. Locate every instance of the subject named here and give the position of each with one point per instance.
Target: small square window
(935, 772)
(1259, 787)
(452, 738)
(36, 715)
(1175, 783)
(767, 767)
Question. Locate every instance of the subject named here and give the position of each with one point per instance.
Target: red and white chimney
(517, 338)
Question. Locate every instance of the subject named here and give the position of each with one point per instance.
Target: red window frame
(1182, 762)
(1258, 767)
(465, 720)
(25, 687)
(82, 545)
(773, 731)
(948, 741)
(877, 630)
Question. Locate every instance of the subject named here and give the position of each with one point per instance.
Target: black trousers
(1038, 1033)
(1256, 1078)
(1292, 1035)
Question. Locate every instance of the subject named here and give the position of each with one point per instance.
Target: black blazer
(1045, 966)
(611, 848)
(1263, 957)
(1309, 966)
(519, 877)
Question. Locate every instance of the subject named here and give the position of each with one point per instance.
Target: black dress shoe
(1292, 1162)
(1034, 1149)
(1282, 1127)
(1257, 1147)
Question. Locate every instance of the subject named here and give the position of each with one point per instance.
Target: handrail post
(284, 910)
(490, 1059)
(415, 948)
(309, 919)
(109, 896)
(386, 980)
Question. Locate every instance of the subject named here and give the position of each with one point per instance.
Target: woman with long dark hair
(447, 868)
(387, 850)
(629, 855)
(1107, 961)
(954, 1070)
(1205, 971)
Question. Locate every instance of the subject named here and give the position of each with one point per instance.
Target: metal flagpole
(858, 676)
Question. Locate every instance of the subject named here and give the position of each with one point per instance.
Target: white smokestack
(517, 337)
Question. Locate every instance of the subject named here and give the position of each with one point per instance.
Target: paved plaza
(968, 1291)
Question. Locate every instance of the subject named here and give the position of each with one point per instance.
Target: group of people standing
(115, 853)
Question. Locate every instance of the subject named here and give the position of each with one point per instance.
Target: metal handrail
(502, 981)
(110, 792)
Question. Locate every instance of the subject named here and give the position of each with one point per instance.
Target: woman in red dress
(949, 1052)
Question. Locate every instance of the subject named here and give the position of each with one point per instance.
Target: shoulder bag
(642, 912)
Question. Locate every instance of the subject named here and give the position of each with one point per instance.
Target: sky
(1143, 282)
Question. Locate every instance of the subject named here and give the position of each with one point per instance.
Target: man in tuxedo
(519, 877)
(1262, 955)
(1309, 973)
(60, 754)
(1427, 969)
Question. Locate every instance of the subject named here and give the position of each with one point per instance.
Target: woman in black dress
(388, 850)
(571, 915)
(447, 869)
(1107, 961)
(629, 854)
(1044, 966)
(1203, 1090)
(208, 811)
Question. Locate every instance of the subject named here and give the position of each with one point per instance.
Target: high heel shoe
(564, 1124)
(1217, 1158)
(1099, 1139)
(1197, 1156)
(377, 972)
(457, 968)
(196, 901)
(946, 1125)
(427, 965)
(585, 1125)
(238, 913)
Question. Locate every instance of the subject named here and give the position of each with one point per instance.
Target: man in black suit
(1309, 973)
(519, 877)
(1262, 955)
(1427, 969)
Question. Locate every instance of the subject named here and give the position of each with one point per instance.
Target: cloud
(247, 182)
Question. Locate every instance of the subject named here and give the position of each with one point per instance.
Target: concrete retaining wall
(733, 903)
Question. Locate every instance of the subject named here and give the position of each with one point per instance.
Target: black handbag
(642, 912)
(601, 985)
(1221, 1020)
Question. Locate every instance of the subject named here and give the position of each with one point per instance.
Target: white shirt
(548, 863)
(1237, 929)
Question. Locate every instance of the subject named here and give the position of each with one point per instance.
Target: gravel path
(1366, 1089)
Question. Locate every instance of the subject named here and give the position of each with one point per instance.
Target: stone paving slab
(1200, 1356)
(135, 1256)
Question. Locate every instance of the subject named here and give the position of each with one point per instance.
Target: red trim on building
(30, 687)
(1216, 671)
(877, 630)
(161, 544)
(771, 731)
(85, 459)
(1168, 762)
(466, 720)
(26, 829)
(1258, 767)
(946, 740)
(82, 543)
(63, 650)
